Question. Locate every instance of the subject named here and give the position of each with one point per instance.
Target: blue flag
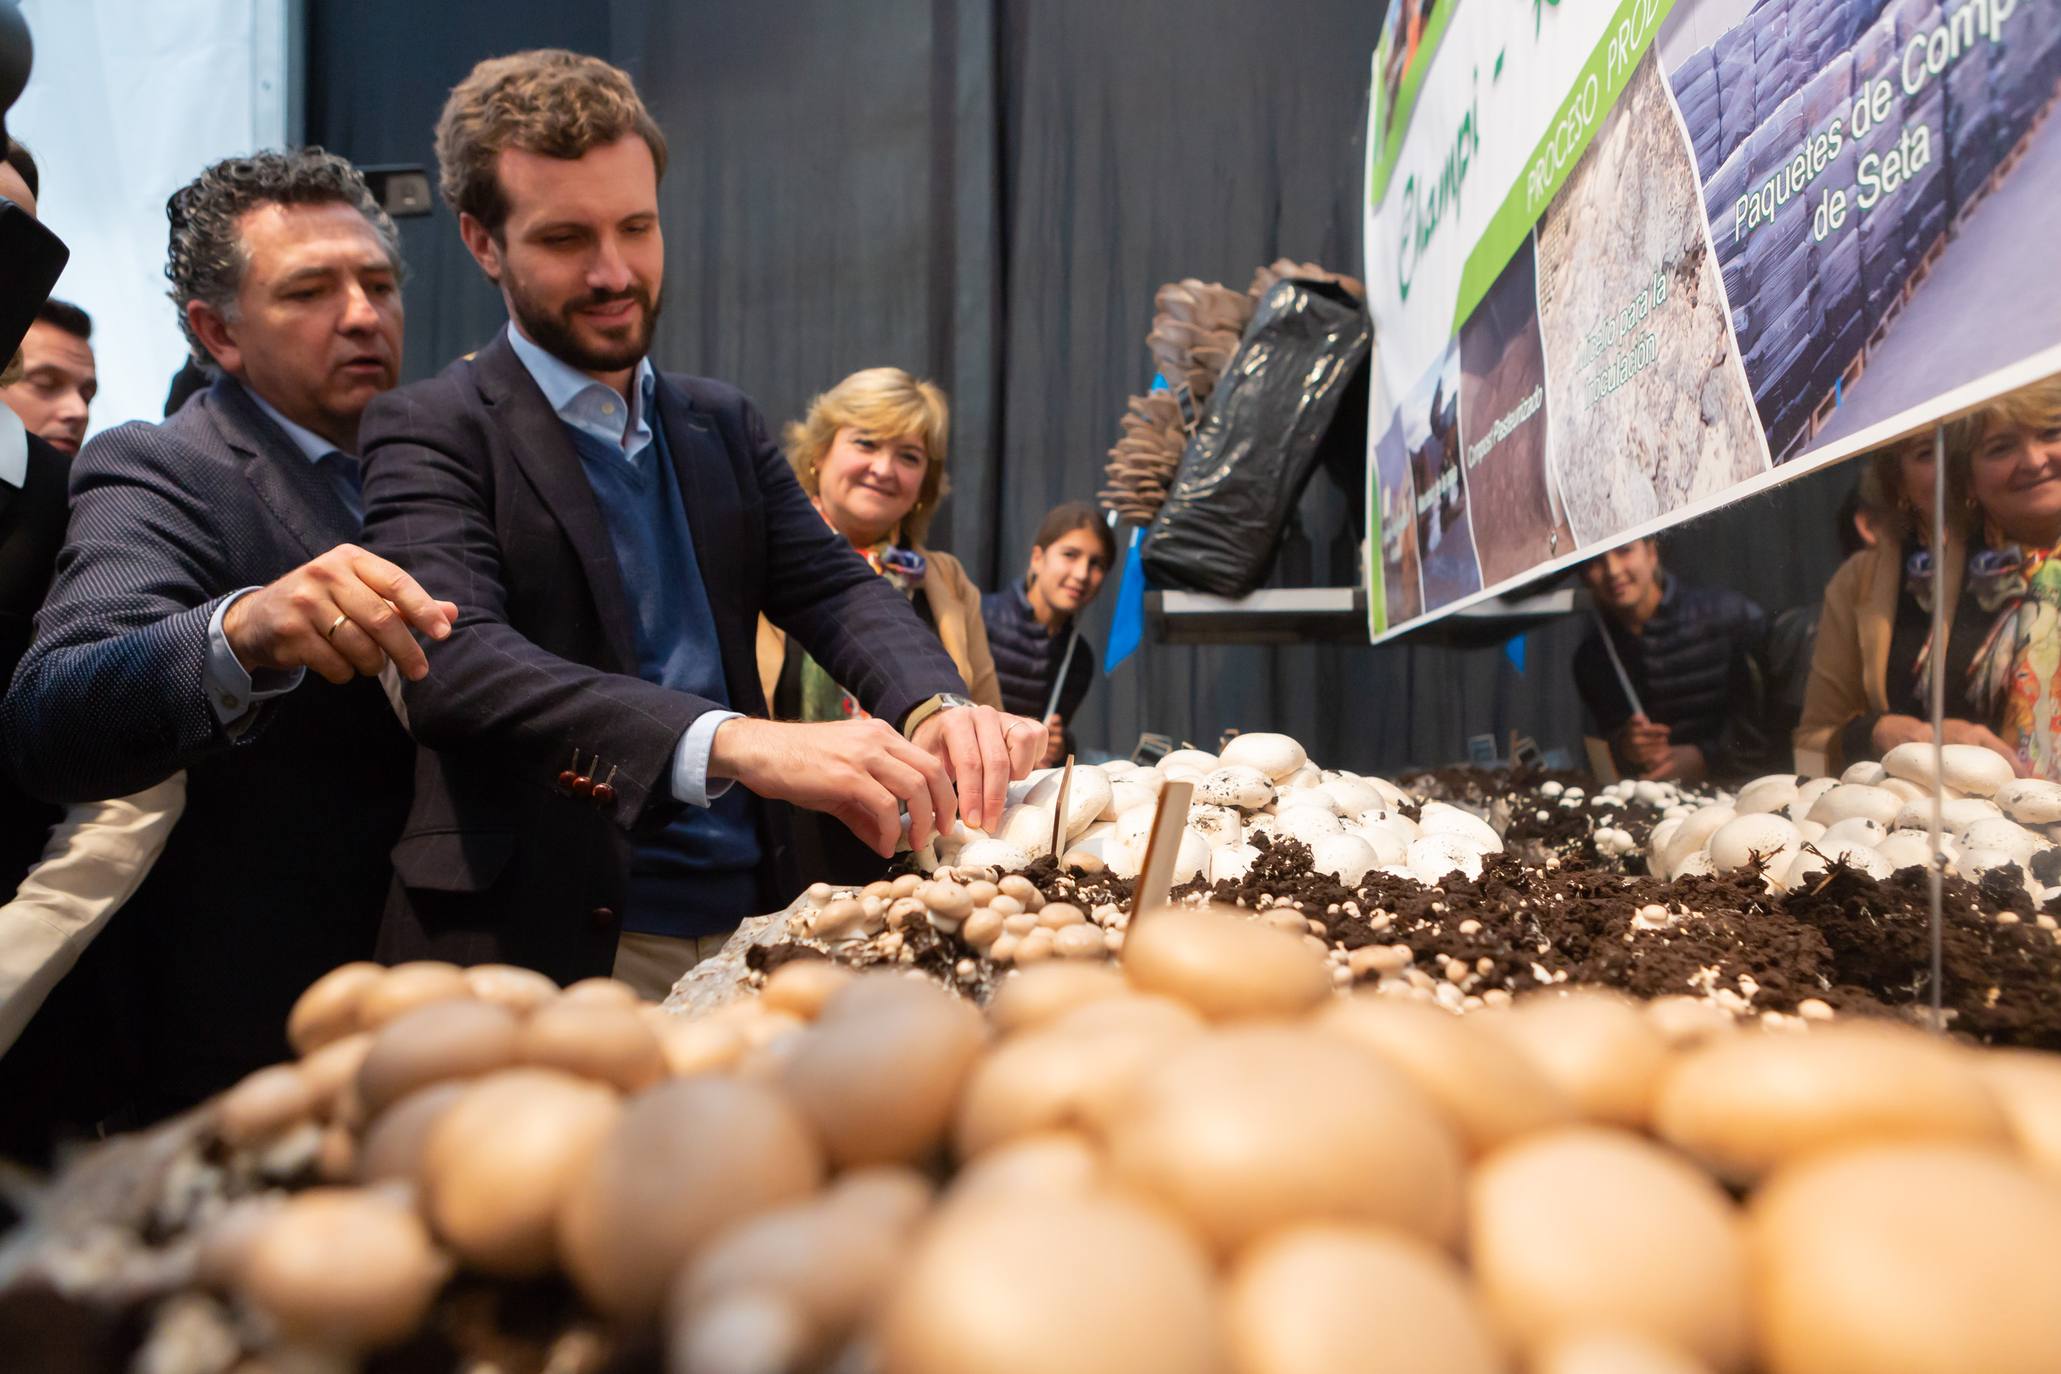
(1127, 622)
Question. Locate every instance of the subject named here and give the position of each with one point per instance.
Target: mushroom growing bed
(1202, 1161)
(1778, 903)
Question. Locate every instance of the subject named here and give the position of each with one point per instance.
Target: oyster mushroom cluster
(1878, 818)
(1197, 1162)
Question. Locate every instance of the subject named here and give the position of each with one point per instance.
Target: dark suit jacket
(277, 870)
(473, 486)
(32, 518)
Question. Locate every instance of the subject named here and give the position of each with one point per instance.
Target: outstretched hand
(983, 750)
(345, 613)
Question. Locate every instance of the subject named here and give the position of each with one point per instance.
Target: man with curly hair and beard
(600, 789)
(209, 563)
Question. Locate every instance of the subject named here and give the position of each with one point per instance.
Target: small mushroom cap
(408, 986)
(1223, 964)
(1038, 996)
(343, 1269)
(1597, 1047)
(1248, 1129)
(1329, 1299)
(880, 1072)
(597, 1038)
(521, 990)
(1744, 1104)
(687, 1159)
(1277, 756)
(1035, 1285)
(1485, 1086)
(1591, 1228)
(1737, 841)
(802, 986)
(1924, 1258)
(498, 1161)
(329, 1009)
(433, 1042)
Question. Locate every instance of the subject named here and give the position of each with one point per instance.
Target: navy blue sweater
(1027, 659)
(696, 876)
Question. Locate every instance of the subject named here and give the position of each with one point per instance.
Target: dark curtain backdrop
(987, 192)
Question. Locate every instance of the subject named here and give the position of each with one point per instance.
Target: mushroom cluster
(1199, 1160)
(1262, 784)
(1878, 818)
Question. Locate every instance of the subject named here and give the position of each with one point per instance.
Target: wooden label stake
(1156, 878)
(1059, 809)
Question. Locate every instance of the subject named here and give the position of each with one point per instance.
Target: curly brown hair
(550, 101)
(205, 260)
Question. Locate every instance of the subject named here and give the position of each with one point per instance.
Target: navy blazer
(277, 869)
(473, 485)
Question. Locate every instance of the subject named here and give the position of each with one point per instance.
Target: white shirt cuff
(690, 760)
(232, 692)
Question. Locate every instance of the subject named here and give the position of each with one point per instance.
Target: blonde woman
(871, 455)
(2000, 576)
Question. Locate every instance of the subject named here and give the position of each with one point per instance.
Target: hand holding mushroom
(982, 750)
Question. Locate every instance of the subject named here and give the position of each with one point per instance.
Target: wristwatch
(943, 701)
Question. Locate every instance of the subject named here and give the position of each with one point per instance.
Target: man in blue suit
(208, 564)
(613, 533)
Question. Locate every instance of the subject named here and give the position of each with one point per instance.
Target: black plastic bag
(1258, 441)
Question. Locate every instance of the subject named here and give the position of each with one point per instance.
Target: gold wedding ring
(336, 624)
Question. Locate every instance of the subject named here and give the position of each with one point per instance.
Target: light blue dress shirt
(232, 692)
(598, 410)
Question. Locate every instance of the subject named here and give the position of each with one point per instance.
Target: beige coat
(1850, 663)
(954, 603)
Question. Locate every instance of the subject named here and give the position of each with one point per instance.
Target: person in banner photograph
(1401, 572)
(1431, 431)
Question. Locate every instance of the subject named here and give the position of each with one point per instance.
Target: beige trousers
(653, 963)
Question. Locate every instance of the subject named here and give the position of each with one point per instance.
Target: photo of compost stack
(1648, 407)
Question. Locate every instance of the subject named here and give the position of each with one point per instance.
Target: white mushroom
(1350, 797)
(1230, 863)
(1275, 755)
(1439, 818)
(1810, 830)
(1691, 835)
(1124, 793)
(1867, 772)
(1770, 793)
(1309, 775)
(1807, 795)
(994, 853)
(1393, 798)
(1969, 768)
(1994, 832)
(1434, 856)
(1307, 823)
(1906, 849)
(1217, 824)
(2031, 801)
(1816, 860)
(1860, 830)
(1955, 815)
(1842, 801)
(1194, 759)
(1390, 846)
(1344, 857)
(1028, 827)
(1091, 795)
(1738, 840)
(1248, 789)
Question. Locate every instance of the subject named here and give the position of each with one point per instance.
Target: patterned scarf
(2014, 678)
(821, 697)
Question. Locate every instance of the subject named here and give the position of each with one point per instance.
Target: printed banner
(1629, 262)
